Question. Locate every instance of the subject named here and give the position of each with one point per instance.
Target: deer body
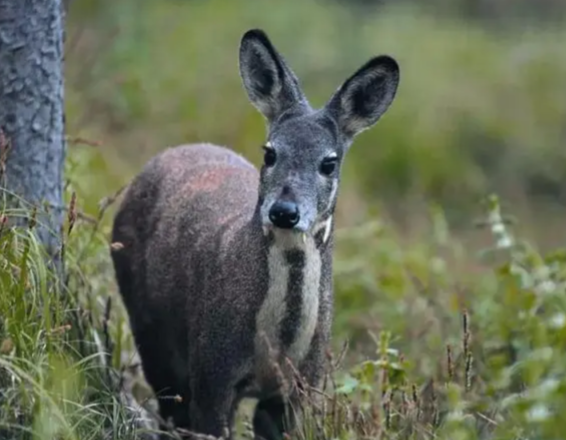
(226, 272)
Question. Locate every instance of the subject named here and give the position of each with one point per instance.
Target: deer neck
(289, 313)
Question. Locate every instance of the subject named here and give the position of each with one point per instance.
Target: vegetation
(454, 314)
(481, 102)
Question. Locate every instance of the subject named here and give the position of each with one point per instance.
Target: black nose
(284, 215)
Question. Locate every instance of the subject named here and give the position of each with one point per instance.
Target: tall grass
(434, 352)
(56, 379)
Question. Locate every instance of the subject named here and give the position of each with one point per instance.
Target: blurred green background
(481, 105)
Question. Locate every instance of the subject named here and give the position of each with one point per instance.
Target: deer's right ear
(271, 85)
(365, 96)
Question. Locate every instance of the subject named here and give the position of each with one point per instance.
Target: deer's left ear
(365, 96)
(271, 85)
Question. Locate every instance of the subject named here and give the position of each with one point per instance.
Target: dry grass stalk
(5, 147)
(72, 212)
(449, 363)
(74, 140)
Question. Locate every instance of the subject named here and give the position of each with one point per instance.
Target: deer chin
(268, 227)
(289, 236)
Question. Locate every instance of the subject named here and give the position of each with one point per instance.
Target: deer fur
(226, 271)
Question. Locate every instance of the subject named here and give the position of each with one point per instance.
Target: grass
(450, 317)
(436, 354)
(54, 372)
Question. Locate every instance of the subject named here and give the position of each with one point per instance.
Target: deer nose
(284, 215)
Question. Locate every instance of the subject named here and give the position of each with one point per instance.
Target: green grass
(477, 112)
(444, 343)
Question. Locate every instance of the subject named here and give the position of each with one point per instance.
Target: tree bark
(32, 109)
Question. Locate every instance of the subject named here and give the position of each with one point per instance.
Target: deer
(225, 270)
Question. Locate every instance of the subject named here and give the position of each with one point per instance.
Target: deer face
(305, 147)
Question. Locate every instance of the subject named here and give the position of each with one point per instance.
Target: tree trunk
(31, 108)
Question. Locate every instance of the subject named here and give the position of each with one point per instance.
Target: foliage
(56, 378)
(477, 108)
(452, 333)
(455, 357)
(501, 376)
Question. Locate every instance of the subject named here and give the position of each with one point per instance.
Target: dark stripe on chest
(291, 322)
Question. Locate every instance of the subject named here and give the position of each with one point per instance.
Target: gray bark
(31, 107)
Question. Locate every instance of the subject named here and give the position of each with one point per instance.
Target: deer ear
(365, 96)
(271, 85)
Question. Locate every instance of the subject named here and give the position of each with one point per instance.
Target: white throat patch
(274, 307)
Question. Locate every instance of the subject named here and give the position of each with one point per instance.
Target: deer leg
(171, 389)
(272, 418)
(213, 408)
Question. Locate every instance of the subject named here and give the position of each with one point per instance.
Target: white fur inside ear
(332, 155)
(268, 144)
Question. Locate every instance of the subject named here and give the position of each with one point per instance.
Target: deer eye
(328, 165)
(269, 156)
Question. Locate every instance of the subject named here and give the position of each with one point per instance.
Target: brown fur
(191, 208)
